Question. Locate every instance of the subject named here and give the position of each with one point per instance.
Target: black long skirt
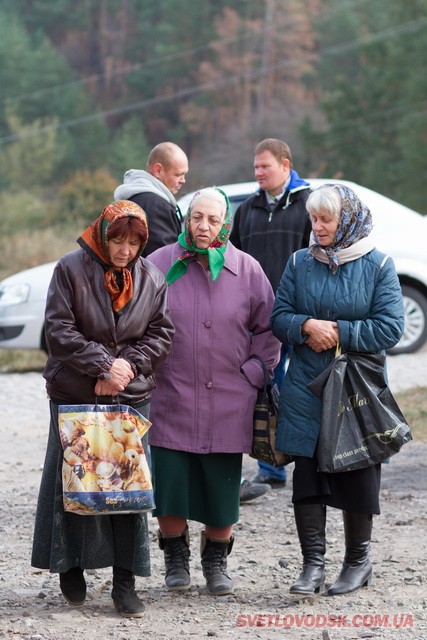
(348, 490)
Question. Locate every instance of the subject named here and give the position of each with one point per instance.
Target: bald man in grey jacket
(154, 191)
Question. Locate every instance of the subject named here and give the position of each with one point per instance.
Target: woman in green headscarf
(202, 409)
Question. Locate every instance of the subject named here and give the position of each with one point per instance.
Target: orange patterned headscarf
(94, 240)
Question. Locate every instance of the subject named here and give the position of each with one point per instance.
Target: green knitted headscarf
(215, 251)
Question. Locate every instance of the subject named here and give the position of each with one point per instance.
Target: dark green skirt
(201, 487)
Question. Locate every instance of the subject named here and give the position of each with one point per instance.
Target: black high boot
(124, 595)
(214, 564)
(310, 520)
(73, 586)
(356, 570)
(177, 555)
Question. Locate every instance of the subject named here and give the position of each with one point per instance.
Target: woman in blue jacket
(340, 289)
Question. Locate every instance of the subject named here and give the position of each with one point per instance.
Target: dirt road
(264, 562)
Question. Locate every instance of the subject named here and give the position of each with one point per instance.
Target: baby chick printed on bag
(103, 454)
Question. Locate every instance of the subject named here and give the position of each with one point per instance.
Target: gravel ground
(264, 562)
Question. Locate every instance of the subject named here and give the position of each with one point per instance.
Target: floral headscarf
(355, 223)
(215, 251)
(94, 241)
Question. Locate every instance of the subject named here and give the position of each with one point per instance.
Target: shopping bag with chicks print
(104, 469)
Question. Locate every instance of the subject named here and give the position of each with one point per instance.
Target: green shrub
(84, 195)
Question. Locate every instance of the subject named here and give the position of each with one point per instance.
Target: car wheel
(415, 332)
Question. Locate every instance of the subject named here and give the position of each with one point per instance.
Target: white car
(399, 232)
(22, 305)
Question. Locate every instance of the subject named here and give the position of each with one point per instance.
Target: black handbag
(265, 424)
(361, 423)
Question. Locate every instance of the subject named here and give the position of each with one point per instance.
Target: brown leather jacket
(83, 339)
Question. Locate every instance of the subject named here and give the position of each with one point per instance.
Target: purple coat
(207, 386)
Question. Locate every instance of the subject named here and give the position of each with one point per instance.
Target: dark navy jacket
(271, 237)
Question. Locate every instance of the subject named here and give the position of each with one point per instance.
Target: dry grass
(413, 404)
(25, 250)
(21, 360)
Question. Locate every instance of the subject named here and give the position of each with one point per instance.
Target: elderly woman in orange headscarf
(107, 329)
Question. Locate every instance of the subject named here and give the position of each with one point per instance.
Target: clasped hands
(121, 374)
(322, 334)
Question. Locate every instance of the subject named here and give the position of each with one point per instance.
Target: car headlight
(14, 293)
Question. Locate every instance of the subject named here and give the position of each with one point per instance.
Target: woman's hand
(322, 334)
(105, 388)
(121, 374)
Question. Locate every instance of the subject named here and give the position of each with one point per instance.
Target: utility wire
(331, 138)
(223, 82)
(130, 68)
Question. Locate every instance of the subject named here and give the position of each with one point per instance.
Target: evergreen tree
(129, 149)
(371, 87)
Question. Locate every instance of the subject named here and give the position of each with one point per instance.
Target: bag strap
(115, 400)
(267, 379)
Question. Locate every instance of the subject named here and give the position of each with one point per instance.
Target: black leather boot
(310, 520)
(124, 595)
(356, 570)
(214, 564)
(177, 554)
(73, 586)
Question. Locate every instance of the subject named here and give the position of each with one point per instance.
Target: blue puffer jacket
(364, 297)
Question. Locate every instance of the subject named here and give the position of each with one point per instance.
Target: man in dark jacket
(154, 191)
(270, 225)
